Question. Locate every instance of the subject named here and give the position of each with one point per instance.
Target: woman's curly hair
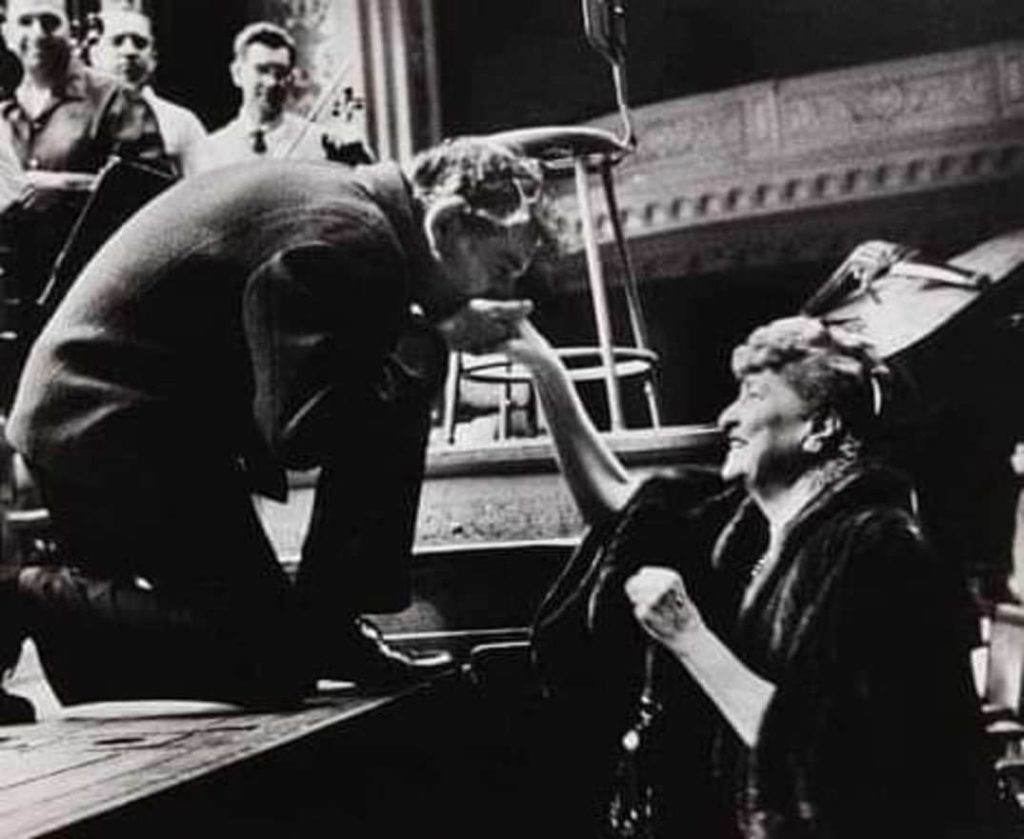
(825, 364)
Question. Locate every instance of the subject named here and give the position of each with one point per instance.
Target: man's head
(262, 69)
(37, 31)
(125, 48)
(482, 216)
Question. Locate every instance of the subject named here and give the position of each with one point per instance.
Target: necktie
(259, 141)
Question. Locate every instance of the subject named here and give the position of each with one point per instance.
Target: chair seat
(562, 143)
(583, 363)
(578, 151)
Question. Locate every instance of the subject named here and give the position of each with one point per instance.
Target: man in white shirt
(263, 69)
(126, 49)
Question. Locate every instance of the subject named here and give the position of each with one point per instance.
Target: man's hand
(482, 325)
(663, 607)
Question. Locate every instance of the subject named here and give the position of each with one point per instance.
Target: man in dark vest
(248, 320)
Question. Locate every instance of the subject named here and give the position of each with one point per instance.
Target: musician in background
(263, 71)
(64, 123)
(126, 49)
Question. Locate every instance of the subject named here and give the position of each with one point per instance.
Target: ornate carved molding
(739, 159)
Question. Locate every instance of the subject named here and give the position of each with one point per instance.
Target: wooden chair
(577, 152)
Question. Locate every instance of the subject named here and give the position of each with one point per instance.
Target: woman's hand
(663, 607)
(484, 325)
(527, 345)
(665, 611)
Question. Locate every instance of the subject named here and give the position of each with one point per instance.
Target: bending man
(248, 320)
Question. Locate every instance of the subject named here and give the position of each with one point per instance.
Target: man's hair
(827, 366)
(266, 33)
(469, 167)
(487, 175)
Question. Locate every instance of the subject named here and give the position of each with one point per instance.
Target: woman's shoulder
(875, 499)
(880, 549)
(884, 502)
(681, 489)
(866, 531)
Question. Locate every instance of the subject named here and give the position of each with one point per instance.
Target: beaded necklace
(757, 569)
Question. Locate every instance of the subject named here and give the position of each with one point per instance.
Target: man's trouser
(167, 587)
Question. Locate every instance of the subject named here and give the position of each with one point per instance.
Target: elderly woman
(816, 681)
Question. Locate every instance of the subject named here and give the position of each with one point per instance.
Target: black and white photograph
(469, 419)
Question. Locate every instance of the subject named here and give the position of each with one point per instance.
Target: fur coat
(873, 728)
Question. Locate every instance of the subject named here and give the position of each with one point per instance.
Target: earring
(812, 445)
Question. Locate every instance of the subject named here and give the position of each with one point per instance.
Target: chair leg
(1015, 583)
(598, 295)
(532, 410)
(634, 303)
(451, 396)
(505, 408)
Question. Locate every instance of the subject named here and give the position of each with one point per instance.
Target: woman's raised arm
(598, 481)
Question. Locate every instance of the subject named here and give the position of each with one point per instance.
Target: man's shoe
(366, 659)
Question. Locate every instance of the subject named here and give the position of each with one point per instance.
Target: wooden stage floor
(79, 764)
(496, 526)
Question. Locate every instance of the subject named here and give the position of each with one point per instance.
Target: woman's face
(765, 427)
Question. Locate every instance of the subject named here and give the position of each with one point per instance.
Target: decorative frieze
(778, 148)
(1011, 75)
(888, 103)
(712, 133)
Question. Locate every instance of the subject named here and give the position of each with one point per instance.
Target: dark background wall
(521, 63)
(512, 64)
(694, 322)
(194, 37)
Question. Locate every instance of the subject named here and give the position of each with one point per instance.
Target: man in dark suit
(252, 319)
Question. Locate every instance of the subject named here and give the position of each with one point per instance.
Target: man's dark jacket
(252, 313)
(256, 298)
